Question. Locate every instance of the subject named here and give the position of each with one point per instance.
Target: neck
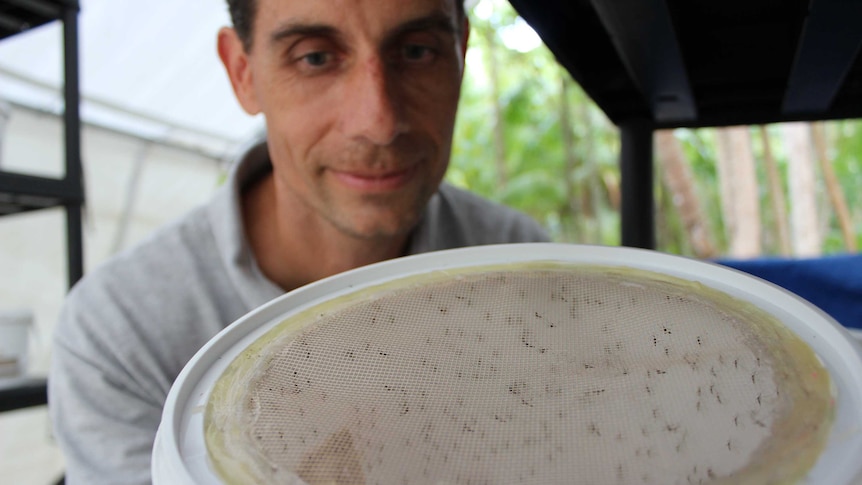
(293, 247)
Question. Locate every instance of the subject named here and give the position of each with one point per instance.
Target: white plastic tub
(180, 455)
(15, 330)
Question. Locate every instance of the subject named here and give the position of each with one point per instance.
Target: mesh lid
(523, 373)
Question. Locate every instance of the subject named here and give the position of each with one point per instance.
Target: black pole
(74, 173)
(636, 167)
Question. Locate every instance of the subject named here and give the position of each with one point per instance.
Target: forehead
(369, 16)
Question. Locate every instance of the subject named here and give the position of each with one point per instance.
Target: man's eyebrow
(301, 29)
(435, 21)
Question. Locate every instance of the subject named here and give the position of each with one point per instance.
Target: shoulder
(149, 307)
(124, 334)
(179, 286)
(157, 262)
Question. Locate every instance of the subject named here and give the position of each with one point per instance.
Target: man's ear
(238, 66)
(465, 38)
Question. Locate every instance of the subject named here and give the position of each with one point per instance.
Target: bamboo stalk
(679, 179)
(836, 194)
(738, 180)
(776, 195)
(805, 227)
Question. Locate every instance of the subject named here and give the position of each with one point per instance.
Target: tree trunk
(836, 195)
(611, 181)
(803, 209)
(740, 203)
(776, 195)
(679, 179)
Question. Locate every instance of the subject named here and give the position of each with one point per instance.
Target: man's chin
(380, 227)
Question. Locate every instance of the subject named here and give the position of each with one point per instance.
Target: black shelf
(22, 193)
(23, 393)
(18, 16)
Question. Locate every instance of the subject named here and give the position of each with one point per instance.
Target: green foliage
(537, 179)
(847, 159)
(846, 156)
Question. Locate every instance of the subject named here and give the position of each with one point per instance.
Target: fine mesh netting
(528, 375)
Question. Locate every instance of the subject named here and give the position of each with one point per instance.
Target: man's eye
(317, 59)
(415, 52)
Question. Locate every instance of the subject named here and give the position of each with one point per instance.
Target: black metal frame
(637, 211)
(23, 394)
(20, 193)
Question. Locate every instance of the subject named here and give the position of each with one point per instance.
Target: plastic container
(180, 455)
(15, 329)
(5, 116)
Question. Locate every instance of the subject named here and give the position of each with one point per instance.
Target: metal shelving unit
(22, 193)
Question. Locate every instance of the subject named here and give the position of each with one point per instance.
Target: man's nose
(372, 107)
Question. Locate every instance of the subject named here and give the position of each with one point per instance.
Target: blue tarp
(833, 283)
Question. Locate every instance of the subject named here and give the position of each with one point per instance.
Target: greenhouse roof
(149, 69)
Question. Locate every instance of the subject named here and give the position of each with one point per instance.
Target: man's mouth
(370, 181)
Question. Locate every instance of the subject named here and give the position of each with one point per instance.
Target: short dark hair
(242, 14)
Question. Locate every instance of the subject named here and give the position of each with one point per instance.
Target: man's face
(359, 98)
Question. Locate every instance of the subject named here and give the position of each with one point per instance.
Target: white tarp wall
(168, 182)
(161, 125)
(148, 67)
